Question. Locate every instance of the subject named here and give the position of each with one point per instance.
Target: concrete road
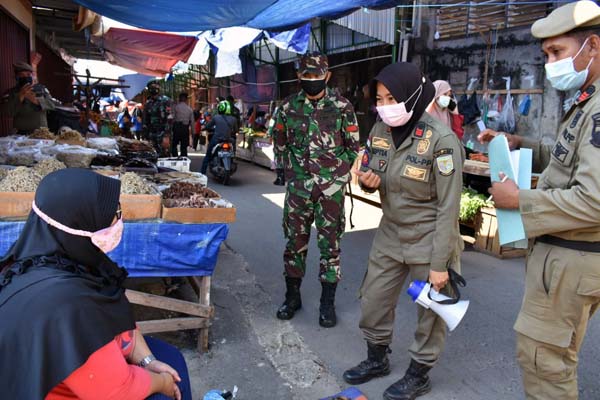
(301, 360)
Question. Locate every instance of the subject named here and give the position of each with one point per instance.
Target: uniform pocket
(550, 364)
(589, 286)
(298, 130)
(414, 181)
(330, 129)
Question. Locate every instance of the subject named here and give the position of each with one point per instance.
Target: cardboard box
(141, 206)
(199, 215)
(15, 205)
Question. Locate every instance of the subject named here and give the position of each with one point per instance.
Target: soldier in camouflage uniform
(315, 136)
(156, 112)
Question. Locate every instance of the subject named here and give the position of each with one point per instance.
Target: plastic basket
(181, 164)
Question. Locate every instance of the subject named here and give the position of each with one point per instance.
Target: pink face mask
(395, 114)
(106, 239)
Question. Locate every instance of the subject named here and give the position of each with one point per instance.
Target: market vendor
(156, 113)
(27, 102)
(560, 216)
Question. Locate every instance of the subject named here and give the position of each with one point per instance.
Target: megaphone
(452, 312)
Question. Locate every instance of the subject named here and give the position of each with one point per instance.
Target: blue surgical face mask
(563, 75)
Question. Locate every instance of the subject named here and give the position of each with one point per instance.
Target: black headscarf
(402, 80)
(60, 296)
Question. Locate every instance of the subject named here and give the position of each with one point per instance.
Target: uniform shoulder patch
(445, 164)
(595, 140)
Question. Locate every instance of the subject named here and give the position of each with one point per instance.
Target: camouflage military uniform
(156, 112)
(316, 143)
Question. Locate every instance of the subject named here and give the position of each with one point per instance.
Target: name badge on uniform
(381, 143)
(445, 164)
(416, 173)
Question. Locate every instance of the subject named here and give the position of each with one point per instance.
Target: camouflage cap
(22, 66)
(571, 16)
(313, 63)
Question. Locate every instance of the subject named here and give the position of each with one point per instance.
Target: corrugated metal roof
(376, 24)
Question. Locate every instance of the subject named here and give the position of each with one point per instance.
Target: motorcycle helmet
(224, 107)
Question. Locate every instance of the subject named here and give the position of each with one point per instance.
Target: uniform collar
(587, 93)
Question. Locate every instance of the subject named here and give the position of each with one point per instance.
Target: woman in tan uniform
(415, 162)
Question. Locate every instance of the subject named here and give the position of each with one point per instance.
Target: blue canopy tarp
(201, 15)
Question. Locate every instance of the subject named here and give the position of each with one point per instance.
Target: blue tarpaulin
(155, 248)
(201, 15)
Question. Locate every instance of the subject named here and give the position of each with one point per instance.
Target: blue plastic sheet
(155, 248)
(201, 15)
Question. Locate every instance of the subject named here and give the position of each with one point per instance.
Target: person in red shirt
(67, 329)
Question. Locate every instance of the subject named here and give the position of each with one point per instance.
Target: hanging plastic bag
(506, 120)
(525, 105)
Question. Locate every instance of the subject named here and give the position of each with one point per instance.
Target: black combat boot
(292, 302)
(377, 364)
(327, 317)
(415, 383)
(280, 180)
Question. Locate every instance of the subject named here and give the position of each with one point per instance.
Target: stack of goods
(42, 133)
(190, 195)
(48, 166)
(69, 136)
(135, 149)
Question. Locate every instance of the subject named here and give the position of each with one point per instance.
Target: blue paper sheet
(155, 248)
(510, 224)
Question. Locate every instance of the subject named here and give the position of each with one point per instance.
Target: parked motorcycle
(222, 163)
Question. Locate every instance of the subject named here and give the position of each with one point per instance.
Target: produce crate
(141, 206)
(487, 238)
(15, 205)
(199, 215)
(181, 164)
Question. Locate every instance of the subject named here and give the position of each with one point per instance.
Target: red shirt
(106, 375)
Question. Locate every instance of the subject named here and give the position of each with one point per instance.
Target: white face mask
(395, 114)
(443, 101)
(563, 75)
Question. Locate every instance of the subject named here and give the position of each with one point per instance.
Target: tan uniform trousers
(562, 292)
(379, 293)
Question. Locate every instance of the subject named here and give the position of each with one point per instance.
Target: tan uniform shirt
(26, 115)
(421, 183)
(566, 202)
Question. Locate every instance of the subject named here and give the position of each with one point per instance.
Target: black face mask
(24, 80)
(313, 88)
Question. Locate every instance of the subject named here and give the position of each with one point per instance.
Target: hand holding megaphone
(450, 310)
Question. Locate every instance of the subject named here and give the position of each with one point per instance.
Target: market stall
(255, 146)
(174, 224)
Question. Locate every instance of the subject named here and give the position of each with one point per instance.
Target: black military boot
(327, 317)
(280, 180)
(377, 364)
(292, 302)
(413, 384)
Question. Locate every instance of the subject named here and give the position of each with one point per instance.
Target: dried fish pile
(71, 135)
(132, 183)
(196, 201)
(136, 149)
(185, 190)
(48, 166)
(42, 133)
(20, 179)
(188, 195)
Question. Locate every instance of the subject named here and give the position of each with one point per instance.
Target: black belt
(592, 247)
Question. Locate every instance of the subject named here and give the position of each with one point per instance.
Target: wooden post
(203, 283)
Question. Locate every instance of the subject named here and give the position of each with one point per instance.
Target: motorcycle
(222, 163)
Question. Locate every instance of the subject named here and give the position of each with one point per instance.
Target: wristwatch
(146, 361)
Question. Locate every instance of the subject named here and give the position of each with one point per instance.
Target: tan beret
(22, 66)
(579, 14)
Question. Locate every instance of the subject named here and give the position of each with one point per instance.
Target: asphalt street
(271, 359)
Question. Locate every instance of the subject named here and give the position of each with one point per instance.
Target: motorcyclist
(224, 125)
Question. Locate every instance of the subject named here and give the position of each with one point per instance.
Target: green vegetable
(470, 204)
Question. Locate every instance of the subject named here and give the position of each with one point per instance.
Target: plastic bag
(506, 120)
(525, 105)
